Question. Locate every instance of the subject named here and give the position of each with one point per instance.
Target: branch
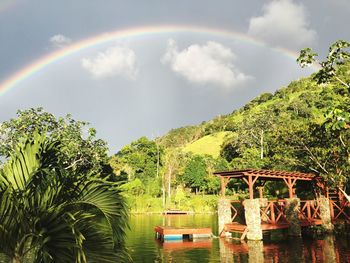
(313, 158)
(342, 82)
(74, 163)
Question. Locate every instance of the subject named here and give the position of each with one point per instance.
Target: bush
(134, 187)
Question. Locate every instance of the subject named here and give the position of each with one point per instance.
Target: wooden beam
(224, 182)
(245, 180)
(256, 178)
(223, 186)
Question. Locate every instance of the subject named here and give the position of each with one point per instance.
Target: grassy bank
(194, 203)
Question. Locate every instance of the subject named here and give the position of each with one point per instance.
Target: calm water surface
(144, 247)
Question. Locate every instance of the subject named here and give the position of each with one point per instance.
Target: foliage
(141, 157)
(180, 195)
(79, 151)
(330, 142)
(187, 202)
(337, 56)
(180, 137)
(195, 173)
(53, 215)
(135, 187)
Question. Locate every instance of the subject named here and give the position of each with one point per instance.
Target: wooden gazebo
(251, 176)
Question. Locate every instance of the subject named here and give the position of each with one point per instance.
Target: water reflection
(328, 250)
(144, 247)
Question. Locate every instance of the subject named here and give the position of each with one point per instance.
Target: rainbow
(84, 44)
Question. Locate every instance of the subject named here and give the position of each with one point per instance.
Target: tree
(80, 151)
(195, 173)
(53, 215)
(337, 55)
(329, 148)
(142, 157)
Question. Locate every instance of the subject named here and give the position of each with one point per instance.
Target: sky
(140, 68)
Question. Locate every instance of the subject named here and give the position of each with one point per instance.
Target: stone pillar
(295, 250)
(226, 255)
(325, 214)
(224, 215)
(329, 254)
(292, 214)
(252, 218)
(256, 251)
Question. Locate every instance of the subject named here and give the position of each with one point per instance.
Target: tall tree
(329, 148)
(195, 173)
(80, 151)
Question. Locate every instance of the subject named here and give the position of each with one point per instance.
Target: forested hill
(270, 131)
(287, 130)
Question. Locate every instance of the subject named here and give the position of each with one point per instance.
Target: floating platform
(173, 233)
(176, 212)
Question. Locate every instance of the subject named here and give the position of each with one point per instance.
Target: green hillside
(208, 145)
(301, 127)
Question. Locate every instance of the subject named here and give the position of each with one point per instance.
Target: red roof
(268, 174)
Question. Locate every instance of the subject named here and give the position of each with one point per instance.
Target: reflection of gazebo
(251, 176)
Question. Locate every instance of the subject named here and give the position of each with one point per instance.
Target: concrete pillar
(253, 219)
(224, 215)
(325, 214)
(292, 214)
(256, 251)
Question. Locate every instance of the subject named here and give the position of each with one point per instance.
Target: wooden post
(290, 187)
(308, 209)
(331, 208)
(272, 210)
(250, 185)
(289, 182)
(261, 191)
(223, 186)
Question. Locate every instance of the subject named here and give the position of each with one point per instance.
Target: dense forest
(302, 127)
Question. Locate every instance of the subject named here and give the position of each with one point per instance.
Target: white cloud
(283, 23)
(207, 64)
(117, 60)
(60, 40)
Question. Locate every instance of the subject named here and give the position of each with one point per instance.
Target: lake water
(144, 247)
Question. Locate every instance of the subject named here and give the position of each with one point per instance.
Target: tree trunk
(262, 145)
(163, 190)
(169, 183)
(157, 159)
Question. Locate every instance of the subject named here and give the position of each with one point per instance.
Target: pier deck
(242, 229)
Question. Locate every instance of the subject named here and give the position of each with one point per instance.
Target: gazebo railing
(273, 212)
(309, 210)
(340, 210)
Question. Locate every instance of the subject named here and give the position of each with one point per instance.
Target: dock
(176, 212)
(179, 233)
